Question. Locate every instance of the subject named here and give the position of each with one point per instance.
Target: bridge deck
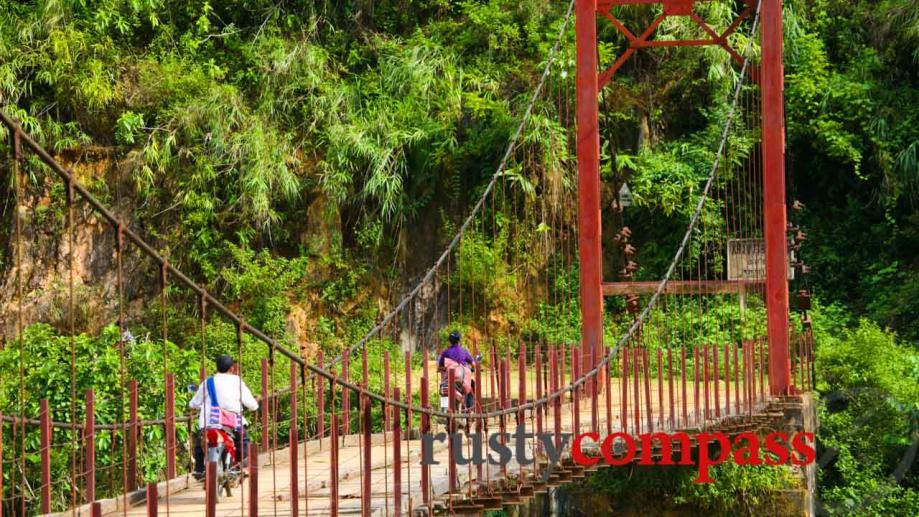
(274, 475)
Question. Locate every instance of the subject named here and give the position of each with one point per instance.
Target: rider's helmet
(454, 337)
(224, 363)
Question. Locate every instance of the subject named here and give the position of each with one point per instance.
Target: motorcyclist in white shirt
(232, 395)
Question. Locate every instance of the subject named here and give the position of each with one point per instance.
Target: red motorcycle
(463, 389)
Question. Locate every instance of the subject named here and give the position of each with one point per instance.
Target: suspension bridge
(328, 441)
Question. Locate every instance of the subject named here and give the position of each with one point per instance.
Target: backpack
(218, 417)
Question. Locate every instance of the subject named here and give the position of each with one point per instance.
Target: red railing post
(494, 367)
(538, 410)
(253, 479)
(594, 388)
(727, 381)
(170, 426)
(752, 347)
(89, 433)
(345, 397)
(333, 465)
(320, 403)
(387, 390)
(425, 428)
(607, 374)
(748, 377)
(576, 392)
(153, 500)
(670, 387)
(557, 403)
(737, 396)
(293, 439)
(365, 451)
(762, 372)
(521, 398)
(424, 367)
(45, 421)
(695, 374)
(480, 424)
(266, 403)
(705, 378)
(364, 435)
(683, 377)
(521, 384)
(505, 404)
(716, 376)
(646, 366)
(562, 366)
(624, 392)
(95, 510)
(451, 427)
(210, 489)
(752, 374)
(397, 456)
(660, 389)
(133, 431)
(636, 379)
(408, 390)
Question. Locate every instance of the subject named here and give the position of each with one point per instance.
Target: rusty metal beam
(687, 287)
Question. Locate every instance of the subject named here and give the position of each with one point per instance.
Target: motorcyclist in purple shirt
(456, 352)
(459, 354)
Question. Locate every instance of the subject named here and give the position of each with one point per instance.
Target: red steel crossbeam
(671, 8)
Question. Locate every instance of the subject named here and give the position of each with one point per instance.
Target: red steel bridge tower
(770, 76)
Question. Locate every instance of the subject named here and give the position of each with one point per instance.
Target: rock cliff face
(43, 260)
(46, 256)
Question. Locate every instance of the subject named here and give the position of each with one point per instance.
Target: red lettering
(578, 454)
(776, 448)
(706, 461)
(748, 455)
(800, 445)
(666, 441)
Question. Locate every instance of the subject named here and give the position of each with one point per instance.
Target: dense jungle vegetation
(309, 159)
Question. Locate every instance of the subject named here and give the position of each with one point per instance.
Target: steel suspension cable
(499, 172)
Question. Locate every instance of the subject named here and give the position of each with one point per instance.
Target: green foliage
(744, 490)
(869, 417)
(737, 490)
(263, 284)
(46, 374)
(482, 267)
(852, 132)
(697, 321)
(401, 113)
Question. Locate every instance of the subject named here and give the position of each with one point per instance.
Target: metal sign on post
(747, 260)
(625, 195)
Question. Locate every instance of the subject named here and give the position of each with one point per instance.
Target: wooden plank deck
(274, 476)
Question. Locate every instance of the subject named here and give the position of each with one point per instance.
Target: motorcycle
(463, 386)
(221, 450)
